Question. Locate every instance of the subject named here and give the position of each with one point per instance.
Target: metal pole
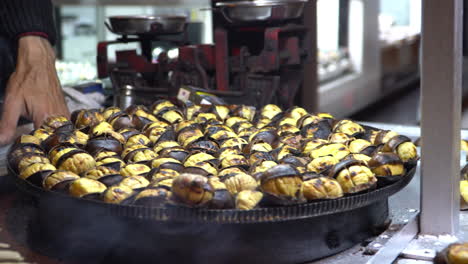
(441, 114)
(310, 86)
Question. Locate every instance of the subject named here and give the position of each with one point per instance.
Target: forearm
(20, 17)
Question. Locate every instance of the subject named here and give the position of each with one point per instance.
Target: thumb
(10, 115)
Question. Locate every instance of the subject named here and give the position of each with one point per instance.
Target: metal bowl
(266, 10)
(138, 25)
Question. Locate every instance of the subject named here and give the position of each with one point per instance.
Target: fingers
(12, 110)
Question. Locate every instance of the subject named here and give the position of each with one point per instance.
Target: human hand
(33, 90)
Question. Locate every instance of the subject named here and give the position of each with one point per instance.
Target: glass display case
(81, 26)
(366, 50)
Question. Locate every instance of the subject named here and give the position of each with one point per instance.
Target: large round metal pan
(94, 232)
(261, 11)
(140, 25)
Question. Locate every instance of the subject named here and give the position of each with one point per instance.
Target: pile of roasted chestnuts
(217, 157)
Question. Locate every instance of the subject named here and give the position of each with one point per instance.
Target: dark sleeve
(27, 17)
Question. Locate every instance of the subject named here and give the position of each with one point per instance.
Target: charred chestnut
(138, 154)
(386, 164)
(135, 169)
(321, 188)
(85, 119)
(104, 174)
(36, 172)
(338, 151)
(205, 146)
(222, 198)
(54, 122)
(59, 181)
(110, 141)
(158, 173)
(248, 199)
(167, 163)
(192, 190)
(237, 182)
(118, 194)
(86, 188)
(354, 176)
(322, 165)
(348, 127)
(282, 185)
(135, 182)
(153, 197)
(403, 147)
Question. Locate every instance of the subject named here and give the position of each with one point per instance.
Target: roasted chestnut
(165, 145)
(121, 120)
(41, 134)
(322, 165)
(153, 197)
(456, 253)
(247, 112)
(158, 173)
(270, 111)
(320, 130)
(104, 174)
(262, 166)
(85, 119)
(109, 141)
(310, 145)
(86, 188)
(137, 139)
(202, 168)
(222, 198)
(234, 161)
(111, 162)
(135, 169)
(108, 112)
(171, 116)
(338, 151)
(192, 190)
(101, 128)
(54, 122)
(167, 163)
(118, 194)
(403, 147)
(139, 155)
(348, 127)
(384, 136)
(386, 164)
(199, 157)
(159, 134)
(206, 146)
(237, 182)
(260, 156)
(135, 182)
(353, 175)
(36, 172)
(341, 138)
(321, 188)
(59, 181)
(28, 159)
(248, 199)
(226, 152)
(177, 153)
(282, 185)
(74, 160)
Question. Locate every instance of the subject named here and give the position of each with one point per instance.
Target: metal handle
(109, 27)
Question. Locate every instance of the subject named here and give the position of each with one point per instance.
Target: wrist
(35, 49)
